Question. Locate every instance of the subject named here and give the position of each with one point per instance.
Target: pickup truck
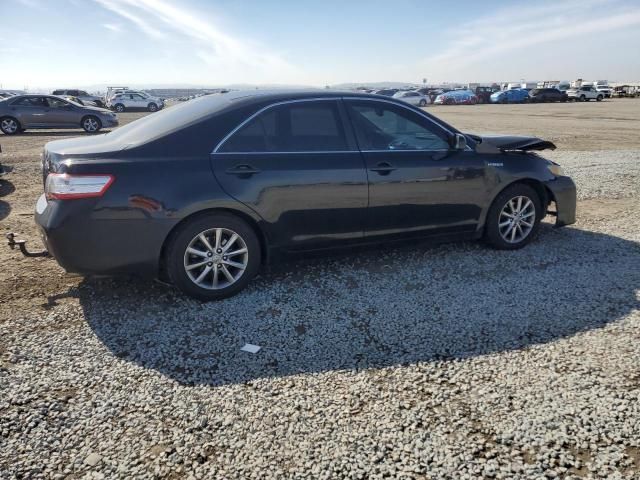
(584, 93)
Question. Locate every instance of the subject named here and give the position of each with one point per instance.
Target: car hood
(509, 143)
(96, 109)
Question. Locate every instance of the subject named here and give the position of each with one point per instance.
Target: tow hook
(22, 245)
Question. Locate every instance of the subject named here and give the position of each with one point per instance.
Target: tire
(152, 107)
(599, 98)
(500, 235)
(10, 126)
(525, 100)
(91, 124)
(423, 103)
(119, 107)
(480, 100)
(188, 236)
(583, 98)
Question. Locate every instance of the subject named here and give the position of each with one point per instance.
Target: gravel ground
(451, 361)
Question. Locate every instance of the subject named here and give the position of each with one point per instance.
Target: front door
(61, 113)
(417, 182)
(296, 164)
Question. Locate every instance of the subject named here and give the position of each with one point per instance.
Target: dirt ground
(32, 284)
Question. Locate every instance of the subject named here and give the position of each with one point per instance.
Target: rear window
(168, 120)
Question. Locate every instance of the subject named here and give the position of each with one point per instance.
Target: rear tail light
(64, 186)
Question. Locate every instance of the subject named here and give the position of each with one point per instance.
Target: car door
(417, 183)
(61, 113)
(296, 164)
(30, 111)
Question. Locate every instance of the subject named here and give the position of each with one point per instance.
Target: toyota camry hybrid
(204, 193)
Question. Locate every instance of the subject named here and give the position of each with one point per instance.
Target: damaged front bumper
(563, 192)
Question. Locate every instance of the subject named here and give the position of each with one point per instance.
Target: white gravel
(453, 361)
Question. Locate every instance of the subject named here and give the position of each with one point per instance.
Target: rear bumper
(83, 242)
(564, 195)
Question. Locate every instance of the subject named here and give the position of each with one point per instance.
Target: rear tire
(583, 98)
(498, 233)
(10, 125)
(188, 256)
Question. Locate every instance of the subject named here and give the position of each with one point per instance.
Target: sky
(88, 43)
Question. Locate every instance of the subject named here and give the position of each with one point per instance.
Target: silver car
(21, 112)
(414, 98)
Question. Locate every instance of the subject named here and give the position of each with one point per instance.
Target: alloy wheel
(90, 125)
(517, 219)
(9, 125)
(216, 258)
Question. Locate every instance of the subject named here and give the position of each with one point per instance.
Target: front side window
(56, 103)
(388, 127)
(292, 127)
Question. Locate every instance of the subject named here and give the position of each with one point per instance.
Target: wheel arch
(546, 196)
(253, 224)
(2, 117)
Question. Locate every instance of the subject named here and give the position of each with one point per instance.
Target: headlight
(556, 169)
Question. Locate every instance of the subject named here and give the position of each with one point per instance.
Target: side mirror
(459, 142)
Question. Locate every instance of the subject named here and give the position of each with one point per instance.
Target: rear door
(296, 164)
(417, 183)
(30, 111)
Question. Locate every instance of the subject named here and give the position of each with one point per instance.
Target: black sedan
(547, 95)
(204, 193)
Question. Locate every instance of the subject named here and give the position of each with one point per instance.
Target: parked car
(483, 94)
(229, 182)
(23, 112)
(514, 95)
(456, 97)
(604, 90)
(584, 93)
(542, 95)
(414, 98)
(124, 101)
(82, 95)
(387, 92)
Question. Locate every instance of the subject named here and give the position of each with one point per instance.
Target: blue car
(516, 95)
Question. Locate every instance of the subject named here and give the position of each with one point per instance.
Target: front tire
(213, 256)
(599, 98)
(119, 108)
(10, 126)
(514, 218)
(423, 103)
(91, 124)
(152, 107)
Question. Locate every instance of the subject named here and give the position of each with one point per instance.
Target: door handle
(242, 170)
(383, 168)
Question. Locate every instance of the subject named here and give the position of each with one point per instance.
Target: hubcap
(517, 219)
(9, 125)
(216, 258)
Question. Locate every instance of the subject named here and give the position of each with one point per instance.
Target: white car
(604, 89)
(414, 98)
(132, 99)
(584, 93)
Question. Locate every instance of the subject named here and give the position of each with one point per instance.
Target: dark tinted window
(294, 127)
(388, 127)
(58, 92)
(31, 102)
(56, 103)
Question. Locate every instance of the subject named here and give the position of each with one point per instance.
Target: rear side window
(382, 127)
(313, 126)
(31, 102)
